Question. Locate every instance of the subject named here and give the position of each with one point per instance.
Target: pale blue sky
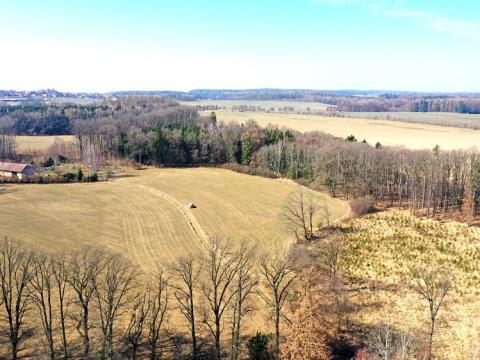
(103, 45)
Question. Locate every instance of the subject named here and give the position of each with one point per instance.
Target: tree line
(173, 136)
(428, 182)
(401, 103)
(35, 118)
(91, 303)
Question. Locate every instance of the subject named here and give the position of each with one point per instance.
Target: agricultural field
(143, 214)
(471, 121)
(387, 132)
(298, 106)
(39, 142)
(381, 251)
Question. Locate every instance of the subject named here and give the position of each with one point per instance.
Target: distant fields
(298, 106)
(439, 118)
(392, 133)
(40, 142)
(143, 214)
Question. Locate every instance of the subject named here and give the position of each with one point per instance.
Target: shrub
(68, 176)
(258, 347)
(49, 162)
(80, 174)
(362, 206)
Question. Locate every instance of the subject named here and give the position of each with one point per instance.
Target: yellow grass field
(390, 133)
(144, 216)
(39, 142)
(382, 249)
(298, 106)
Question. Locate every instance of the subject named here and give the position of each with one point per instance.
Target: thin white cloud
(428, 19)
(462, 28)
(334, 2)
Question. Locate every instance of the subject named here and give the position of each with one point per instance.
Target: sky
(111, 45)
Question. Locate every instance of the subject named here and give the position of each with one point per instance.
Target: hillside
(143, 214)
(381, 252)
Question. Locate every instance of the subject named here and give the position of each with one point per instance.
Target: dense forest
(431, 182)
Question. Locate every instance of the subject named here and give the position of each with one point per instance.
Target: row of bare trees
(431, 182)
(93, 303)
(7, 140)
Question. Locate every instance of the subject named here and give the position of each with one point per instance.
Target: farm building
(15, 171)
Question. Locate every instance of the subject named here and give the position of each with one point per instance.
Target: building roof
(12, 167)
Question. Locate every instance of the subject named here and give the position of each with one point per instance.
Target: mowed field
(143, 214)
(39, 142)
(471, 121)
(300, 106)
(390, 133)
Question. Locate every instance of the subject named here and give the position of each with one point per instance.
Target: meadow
(381, 251)
(25, 143)
(298, 106)
(471, 121)
(387, 132)
(143, 214)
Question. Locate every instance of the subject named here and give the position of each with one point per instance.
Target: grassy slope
(382, 249)
(144, 215)
(394, 133)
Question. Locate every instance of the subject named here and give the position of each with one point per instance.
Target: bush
(80, 174)
(68, 176)
(362, 206)
(258, 347)
(49, 162)
(93, 177)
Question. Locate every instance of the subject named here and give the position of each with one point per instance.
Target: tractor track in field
(189, 217)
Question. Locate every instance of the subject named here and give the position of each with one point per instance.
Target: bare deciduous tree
(86, 267)
(279, 275)
(138, 314)
(245, 284)
(15, 263)
(92, 154)
(186, 272)
(7, 140)
(405, 345)
(433, 286)
(61, 274)
(221, 266)
(42, 287)
(158, 306)
(299, 211)
(112, 290)
(382, 341)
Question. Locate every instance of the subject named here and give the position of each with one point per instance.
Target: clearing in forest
(40, 142)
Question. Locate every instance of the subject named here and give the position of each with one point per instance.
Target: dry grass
(471, 121)
(144, 216)
(391, 133)
(382, 250)
(39, 142)
(298, 106)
